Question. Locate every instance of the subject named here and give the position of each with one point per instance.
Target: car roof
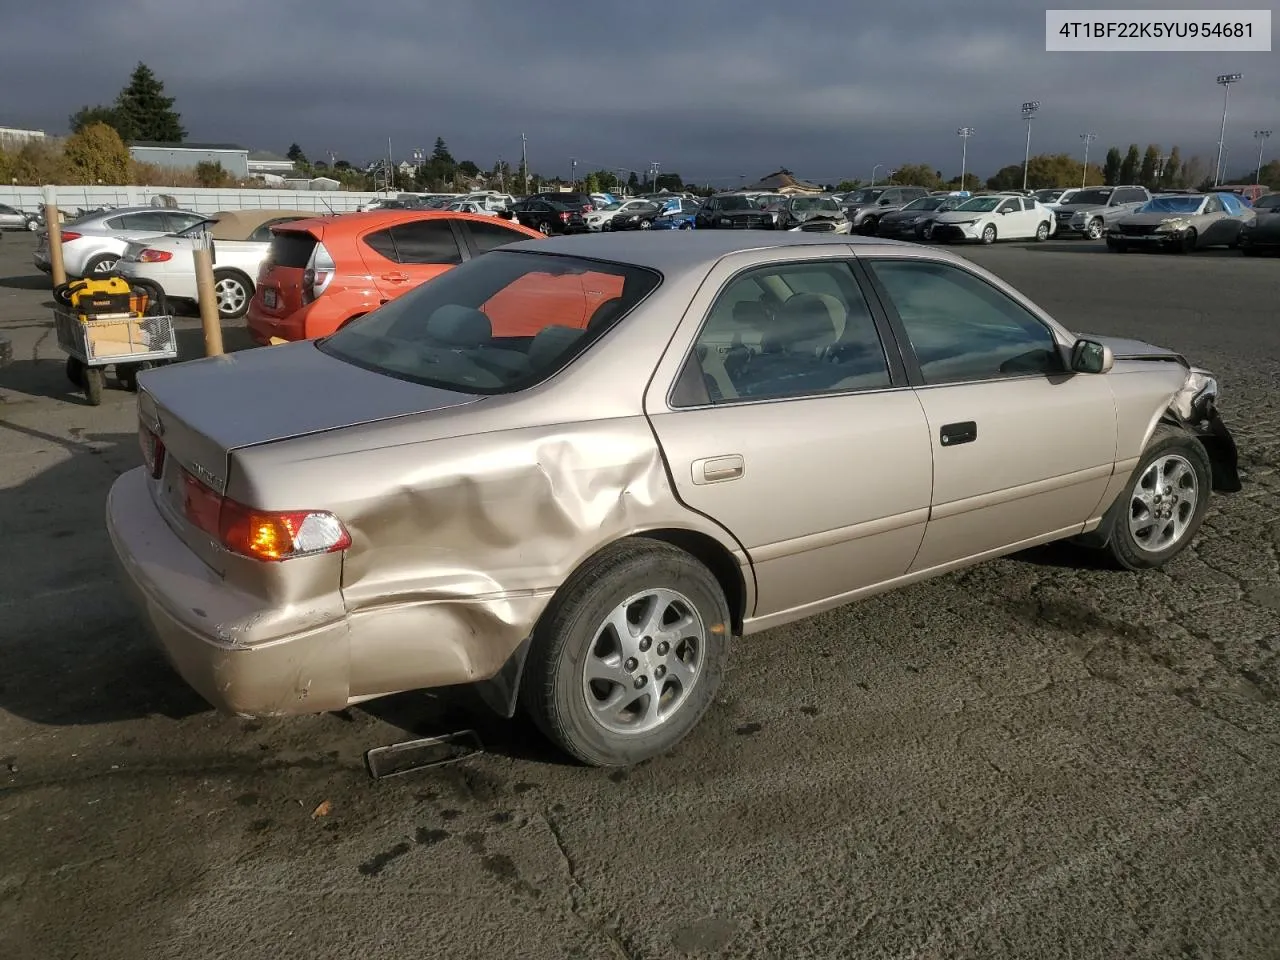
(372, 219)
(694, 250)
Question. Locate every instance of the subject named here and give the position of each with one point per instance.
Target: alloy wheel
(1163, 503)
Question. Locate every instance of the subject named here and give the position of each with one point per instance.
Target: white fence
(199, 200)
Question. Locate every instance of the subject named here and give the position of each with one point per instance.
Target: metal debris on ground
(401, 758)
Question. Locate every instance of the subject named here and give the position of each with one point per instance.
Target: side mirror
(1089, 356)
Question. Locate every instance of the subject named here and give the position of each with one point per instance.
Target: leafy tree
(633, 183)
(210, 174)
(1111, 168)
(296, 155)
(1172, 168)
(99, 114)
(668, 181)
(469, 168)
(1270, 174)
(845, 186)
(1129, 166)
(341, 165)
(971, 182)
(319, 165)
(95, 154)
(1150, 161)
(1193, 172)
(1007, 178)
(916, 175)
(144, 112)
(591, 184)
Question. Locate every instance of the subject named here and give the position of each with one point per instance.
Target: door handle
(397, 277)
(955, 433)
(718, 469)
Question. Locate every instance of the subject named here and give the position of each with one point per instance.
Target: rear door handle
(956, 433)
(718, 469)
(397, 277)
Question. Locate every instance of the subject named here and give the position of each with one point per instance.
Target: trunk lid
(204, 410)
(279, 286)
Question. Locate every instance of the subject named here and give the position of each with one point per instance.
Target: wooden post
(209, 321)
(53, 226)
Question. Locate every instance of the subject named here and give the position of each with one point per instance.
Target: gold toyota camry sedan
(575, 471)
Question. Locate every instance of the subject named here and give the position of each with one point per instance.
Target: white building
(15, 136)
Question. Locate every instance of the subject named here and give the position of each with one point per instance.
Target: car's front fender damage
(1195, 409)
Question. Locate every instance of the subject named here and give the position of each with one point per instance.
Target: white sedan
(997, 217)
(597, 219)
(241, 241)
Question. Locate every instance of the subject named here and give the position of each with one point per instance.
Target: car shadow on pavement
(1065, 555)
(451, 709)
(37, 281)
(73, 651)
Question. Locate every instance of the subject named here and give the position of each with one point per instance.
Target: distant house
(784, 182)
(187, 156)
(264, 161)
(14, 137)
(407, 168)
(324, 183)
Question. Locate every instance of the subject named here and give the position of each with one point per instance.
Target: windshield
(612, 206)
(862, 196)
(1094, 198)
(1047, 196)
(980, 204)
(496, 324)
(1270, 202)
(925, 203)
(736, 203)
(1172, 205)
(807, 204)
(197, 228)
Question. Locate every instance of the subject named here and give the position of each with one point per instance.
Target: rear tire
(544, 228)
(233, 291)
(588, 719)
(100, 265)
(1145, 533)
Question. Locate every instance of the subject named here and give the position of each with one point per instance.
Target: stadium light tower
(1088, 138)
(964, 133)
(1262, 136)
(1028, 114)
(1226, 80)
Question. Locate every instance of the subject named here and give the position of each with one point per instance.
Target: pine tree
(1129, 166)
(143, 112)
(441, 153)
(1172, 169)
(1111, 168)
(296, 155)
(1150, 160)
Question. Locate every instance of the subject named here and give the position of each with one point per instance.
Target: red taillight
(152, 451)
(154, 256)
(314, 283)
(565, 216)
(270, 535)
(70, 235)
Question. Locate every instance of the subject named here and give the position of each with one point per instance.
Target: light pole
(1226, 80)
(964, 133)
(573, 170)
(653, 172)
(1088, 138)
(524, 161)
(1262, 136)
(1028, 114)
(873, 173)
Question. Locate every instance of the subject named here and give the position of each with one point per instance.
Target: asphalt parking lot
(1035, 757)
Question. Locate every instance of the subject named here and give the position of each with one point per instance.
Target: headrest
(459, 326)
(810, 316)
(605, 314)
(550, 344)
(750, 313)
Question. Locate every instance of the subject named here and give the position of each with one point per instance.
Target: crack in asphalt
(577, 893)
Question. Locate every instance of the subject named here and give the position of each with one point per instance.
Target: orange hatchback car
(324, 272)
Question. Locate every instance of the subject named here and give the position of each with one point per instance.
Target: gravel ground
(1032, 758)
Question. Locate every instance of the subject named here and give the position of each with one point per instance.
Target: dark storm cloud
(712, 89)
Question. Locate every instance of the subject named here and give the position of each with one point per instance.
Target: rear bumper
(316, 319)
(175, 284)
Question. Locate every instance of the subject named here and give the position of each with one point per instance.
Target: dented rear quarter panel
(465, 521)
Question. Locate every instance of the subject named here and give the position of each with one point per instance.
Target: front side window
(961, 328)
(496, 324)
(790, 330)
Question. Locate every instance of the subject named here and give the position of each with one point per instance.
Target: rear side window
(490, 236)
(427, 241)
(263, 233)
(291, 248)
(382, 244)
(146, 221)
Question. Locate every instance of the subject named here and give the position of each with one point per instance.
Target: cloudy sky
(712, 89)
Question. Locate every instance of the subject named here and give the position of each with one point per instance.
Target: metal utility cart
(127, 342)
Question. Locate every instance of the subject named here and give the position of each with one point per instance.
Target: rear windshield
(496, 324)
(291, 248)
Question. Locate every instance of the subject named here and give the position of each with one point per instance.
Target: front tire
(1042, 232)
(870, 226)
(1094, 230)
(629, 655)
(1187, 244)
(989, 233)
(1161, 509)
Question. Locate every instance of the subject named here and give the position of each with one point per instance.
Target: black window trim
(915, 376)
(899, 374)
